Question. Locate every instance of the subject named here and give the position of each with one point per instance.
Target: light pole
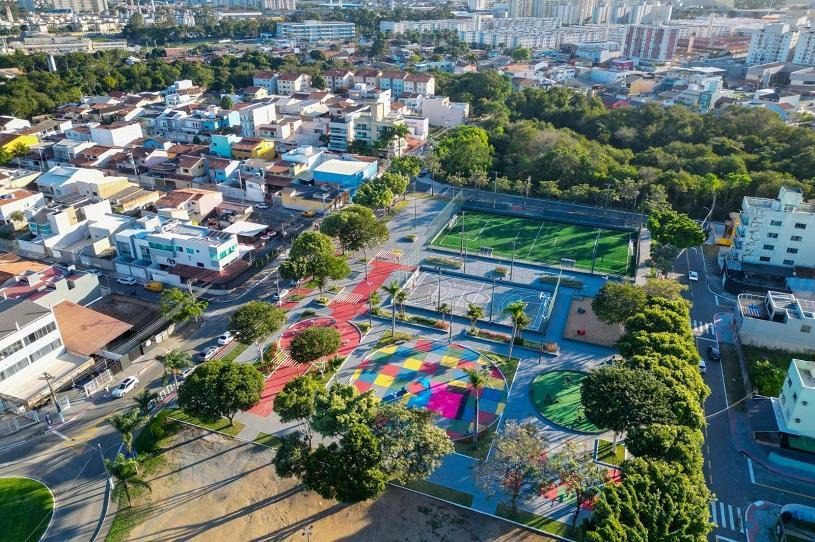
(512, 263)
(370, 307)
(47, 377)
(438, 295)
(492, 297)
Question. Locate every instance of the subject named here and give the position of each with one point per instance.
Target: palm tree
(517, 313)
(143, 400)
(126, 424)
(175, 361)
(400, 131)
(477, 379)
(126, 473)
(393, 289)
(475, 313)
(401, 297)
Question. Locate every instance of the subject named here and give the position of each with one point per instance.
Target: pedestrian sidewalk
(759, 521)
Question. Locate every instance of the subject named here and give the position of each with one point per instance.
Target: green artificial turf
(556, 395)
(25, 509)
(540, 241)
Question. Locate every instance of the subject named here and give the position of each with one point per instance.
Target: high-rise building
(82, 6)
(522, 8)
(279, 5)
(480, 5)
(650, 42)
(805, 48)
(773, 43)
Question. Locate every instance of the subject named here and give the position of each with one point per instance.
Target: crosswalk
(703, 328)
(727, 516)
(348, 297)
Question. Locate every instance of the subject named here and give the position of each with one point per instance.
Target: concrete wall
(778, 335)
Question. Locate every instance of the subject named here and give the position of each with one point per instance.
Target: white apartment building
(776, 231)
(805, 48)
(82, 6)
(773, 43)
(313, 31)
(256, 115)
(117, 134)
(13, 200)
(288, 83)
(266, 79)
(440, 111)
(777, 320)
(796, 402)
(650, 42)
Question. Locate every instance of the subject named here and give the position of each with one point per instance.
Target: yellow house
(253, 147)
(11, 142)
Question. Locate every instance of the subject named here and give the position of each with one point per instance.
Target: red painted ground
(341, 312)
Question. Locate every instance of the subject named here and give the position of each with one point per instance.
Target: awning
(246, 229)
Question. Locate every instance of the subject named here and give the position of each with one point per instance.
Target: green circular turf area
(25, 509)
(556, 395)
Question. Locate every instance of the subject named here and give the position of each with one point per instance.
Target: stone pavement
(759, 521)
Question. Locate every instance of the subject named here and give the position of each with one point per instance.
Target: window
(806, 329)
(789, 381)
(795, 238)
(794, 397)
(45, 350)
(769, 247)
(792, 251)
(772, 235)
(783, 399)
(800, 226)
(775, 222)
(804, 403)
(764, 259)
(16, 346)
(789, 262)
(797, 420)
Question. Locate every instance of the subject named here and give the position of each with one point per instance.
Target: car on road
(154, 286)
(714, 354)
(208, 353)
(188, 371)
(693, 276)
(226, 338)
(280, 295)
(125, 387)
(702, 366)
(261, 205)
(309, 213)
(127, 281)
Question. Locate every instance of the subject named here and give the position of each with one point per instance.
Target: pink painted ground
(342, 313)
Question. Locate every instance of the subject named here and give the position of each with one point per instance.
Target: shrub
(425, 320)
(486, 334)
(767, 378)
(438, 324)
(442, 262)
(501, 271)
(322, 300)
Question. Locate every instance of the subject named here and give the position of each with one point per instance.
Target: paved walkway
(759, 521)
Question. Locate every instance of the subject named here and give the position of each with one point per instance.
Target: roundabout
(556, 396)
(433, 376)
(26, 509)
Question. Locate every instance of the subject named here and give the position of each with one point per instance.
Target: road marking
(753, 480)
(60, 435)
(750, 468)
(716, 300)
(713, 513)
(741, 521)
(703, 328)
(720, 538)
(724, 516)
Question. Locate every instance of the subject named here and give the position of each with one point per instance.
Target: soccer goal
(485, 251)
(567, 263)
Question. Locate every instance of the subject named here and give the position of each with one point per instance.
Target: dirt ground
(597, 332)
(214, 488)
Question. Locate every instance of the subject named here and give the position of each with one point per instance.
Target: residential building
(62, 180)
(82, 6)
(11, 124)
(650, 42)
(13, 142)
(314, 31)
(181, 93)
(347, 174)
(777, 232)
(778, 320)
(339, 79)
(18, 200)
(251, 147)
(46, 285)
(290, 82)
(251, 94)
(775, 42)
(805, 48)
(266, 79)
(188, 204)
(321, 200)
(256, 115)
(796, 402)
(419, 83)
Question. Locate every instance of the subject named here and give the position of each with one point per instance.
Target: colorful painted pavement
(432, 375)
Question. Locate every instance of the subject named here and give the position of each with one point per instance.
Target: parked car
(702, 366)
(93, 271)
(309, 213)
(261, 205)
(280, 295)
(714, 354)
(154, 286)
(208, 353)
(127, 281)
(226, 338)
(125, 387)
(693, 276)
(188, 371)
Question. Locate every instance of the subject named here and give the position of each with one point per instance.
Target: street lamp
(47, 377)
(306, 533)
(370, 307)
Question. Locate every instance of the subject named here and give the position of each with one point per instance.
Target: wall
(778, 335)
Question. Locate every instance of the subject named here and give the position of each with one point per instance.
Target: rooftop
(341, 167)
(806, 370)
(85, 331)
(17, 313)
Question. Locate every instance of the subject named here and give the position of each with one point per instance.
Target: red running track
(342, 313)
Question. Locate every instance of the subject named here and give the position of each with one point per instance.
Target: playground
(539, 241)
(429, 290)
(433, 376)
(556, 395)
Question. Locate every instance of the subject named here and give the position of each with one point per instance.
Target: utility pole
(512, 263)
(463, 245)
(526, 194)
(438, 295)
(47, 377)
(492, 298)
(370, 307)
(494, 188)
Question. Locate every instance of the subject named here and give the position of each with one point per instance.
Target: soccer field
(540, 241)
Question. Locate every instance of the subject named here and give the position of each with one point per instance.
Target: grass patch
(127, 518)
(26, 507)
(270, 441)
(766, 380)
(221, 425)
(386, 338)
(540, 241)
(547, 525)
(556, 395)
(442, 492)
(733, 381)
(607, 455)
(233, 354)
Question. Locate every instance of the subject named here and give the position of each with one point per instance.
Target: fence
(9, 425)
(98, 383)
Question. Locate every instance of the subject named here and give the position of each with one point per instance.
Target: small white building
(796, 402)
(777, 320)
(256, 115)
(22, 200)
(118, 134)
(440, 111)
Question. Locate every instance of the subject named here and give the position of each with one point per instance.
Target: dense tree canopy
(217, 389)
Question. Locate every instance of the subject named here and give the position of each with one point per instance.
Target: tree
(465, 150)
(312, 255)
(126, 424)
(313, 343)
(341, 407)
(618, 398)
(393, 289)
(477, 381)
(517, 464)
(373, 194)
(517, 314)
(475, 313)
(318, 81)
(126, 473)
(355, 227)
(143, 399)
(618, 301)
(677, 444)
(409, 166)
(255, 321)
(291, 455)
(219, 389)
(666, 288)
(767, 378)
(401, 298)
(178, 305)
(297, 402)
(412, 445)
(397, 183)
(669, 227)
(656, 501)
(226, 102)
(15, 217)
(175, 361)
(521, 54)
(316, 54)
(349, 471)
(576, 471)
(663, 257)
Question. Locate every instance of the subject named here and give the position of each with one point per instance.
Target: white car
(188, 371)
(125, 387)
(226, 338)
(127, 281)
(261, 206)
(693, 276)
(702, 366)
(280, 296)
(208, 353)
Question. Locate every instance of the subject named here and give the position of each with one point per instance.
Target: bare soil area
(215, 488)
(584, 326)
